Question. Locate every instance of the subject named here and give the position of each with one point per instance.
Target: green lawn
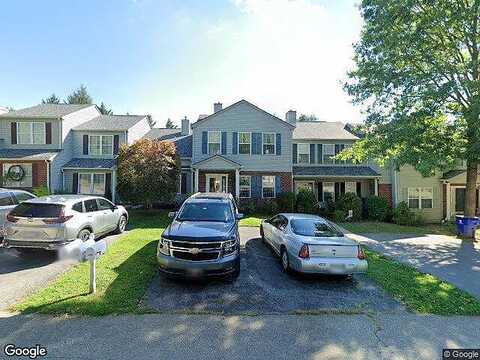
(123, 275)
(423, 293)
(364, 227)
(252, 220)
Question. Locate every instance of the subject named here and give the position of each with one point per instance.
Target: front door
(217, 183)
(459, 200)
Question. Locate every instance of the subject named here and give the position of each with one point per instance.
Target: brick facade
(286, 180)
(385, 191)
(39, 171)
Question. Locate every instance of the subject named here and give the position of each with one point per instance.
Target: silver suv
(10, 198)
(49, 222)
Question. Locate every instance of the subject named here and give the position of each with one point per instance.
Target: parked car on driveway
(311, 244)
(10, 198)
(49, 222)
(203, 238)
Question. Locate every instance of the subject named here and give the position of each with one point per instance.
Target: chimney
(185, 126)
(291, 117)
(217, 107)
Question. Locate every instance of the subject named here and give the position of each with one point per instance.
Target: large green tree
(417, 77)
(170, 125)
(52, 99)
(79, 96)
(104, 110)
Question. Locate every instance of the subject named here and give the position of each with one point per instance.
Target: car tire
(262, 235)
(285, 262)
(84, 234)
(122, 224)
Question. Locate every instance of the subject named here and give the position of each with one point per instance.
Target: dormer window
(100, 145)
(29, 133)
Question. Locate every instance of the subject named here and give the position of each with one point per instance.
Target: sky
(171, 58)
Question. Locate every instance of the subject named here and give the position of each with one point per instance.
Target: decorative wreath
(15, 173)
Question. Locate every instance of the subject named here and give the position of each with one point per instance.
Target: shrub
(339, 215)
(402, 215)
(350, 201)
(40, 191)
(286, 202)
(268, 207)
(248, 206)
(377, 208)
(306, 202)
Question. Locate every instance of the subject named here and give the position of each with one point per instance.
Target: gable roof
(243, 101)
(222, 159)
(111, 122)
(322, 130)
(88, 163)
(162, 133)
(46, 111)
(335, 171)
(183, 143)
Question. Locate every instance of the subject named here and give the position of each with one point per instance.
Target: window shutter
(224, 143)
(278, 185)
(256, 186)
(337, 149)
(48, 133)
(278, 146)
(204, 142)
(320, 153)
(85, 144)
(234, 142)
(294, 154)
(116, 144)
(257, 143)
(13, 132)
(108, 185)
(320, 191)
(75, 183)
(312, 153)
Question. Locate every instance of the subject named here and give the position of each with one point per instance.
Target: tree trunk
(471, 191)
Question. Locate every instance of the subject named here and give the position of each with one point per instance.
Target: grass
(123, 275)
(365, 227)
(422, 293)
(252, 220)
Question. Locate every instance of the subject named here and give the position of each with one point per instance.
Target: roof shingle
(111, 122)
(46, 111)
(27, 154)
(322, 130)
(333, 171)
(89, 163)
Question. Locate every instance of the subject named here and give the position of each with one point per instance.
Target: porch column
(237, 184)
(376, 186)
(448, 201)
(196, 180)
(114, 185)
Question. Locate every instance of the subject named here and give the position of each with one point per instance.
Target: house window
(268, 143)
(245, 186)
(19, 176)
(244, 142)
(328, 153)
(214, 142)
(31, 133)
(91, 184)
(268, 186)
(303, 153)
(304, 185)
(100, 145)
(420, 198)
(328, 191)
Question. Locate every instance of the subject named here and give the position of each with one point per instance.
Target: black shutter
(320, 153)
(359, 189)
(108, 186)
(48, 133)
(320, 191)
(294, 155)
(116, 144)
(85, 144)
(13, 133)
(337, 191)
(183, 186)
(75, 183)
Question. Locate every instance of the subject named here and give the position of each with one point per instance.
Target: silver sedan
(311, 244)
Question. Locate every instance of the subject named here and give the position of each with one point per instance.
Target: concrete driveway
(21, 275)
(451, 259)
(262, 288)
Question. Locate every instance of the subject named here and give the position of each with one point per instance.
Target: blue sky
(176, 58)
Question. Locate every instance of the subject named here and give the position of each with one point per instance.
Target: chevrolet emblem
(195, 251)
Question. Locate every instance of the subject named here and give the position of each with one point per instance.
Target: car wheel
(284, 260)
(122, 224)
(84, 235)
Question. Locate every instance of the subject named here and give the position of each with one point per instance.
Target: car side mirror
(172, 214)
(239, 216)
(114, 207)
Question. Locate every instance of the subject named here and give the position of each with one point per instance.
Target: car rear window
(312, 227)
(37, 210)
(206, 211)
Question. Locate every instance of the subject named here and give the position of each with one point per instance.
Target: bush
(248, 207)
(40, 191)
(306, 202)
(350, 201)
(286, 202)
(268, 207)
(402, 215)
(339, 215)
(377, 208)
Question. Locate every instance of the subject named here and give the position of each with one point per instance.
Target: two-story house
(67, 148)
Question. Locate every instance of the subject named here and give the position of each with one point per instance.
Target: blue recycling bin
(466, 226)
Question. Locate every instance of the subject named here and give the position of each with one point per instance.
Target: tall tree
(304, 117)
(170, 125)
(417, 76)
(79, 96)
(150, 120)
(52, 99)
(104, 110)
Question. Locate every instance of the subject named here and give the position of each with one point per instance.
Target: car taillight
(60, 220)
(12, 218)
(361, 254)
(304, 252)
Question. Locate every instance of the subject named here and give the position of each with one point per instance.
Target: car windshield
(38, 210)
(312, 227)
(206, 211)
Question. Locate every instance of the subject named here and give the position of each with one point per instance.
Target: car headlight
(229, 246)
(164, 246)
